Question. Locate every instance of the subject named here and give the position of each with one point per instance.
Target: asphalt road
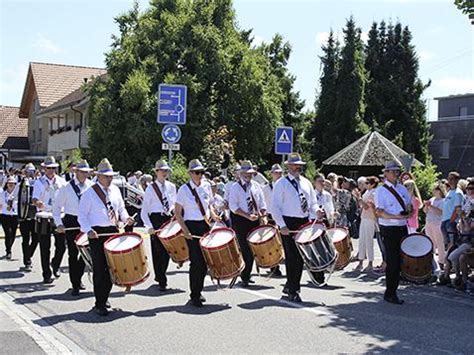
(348, 316)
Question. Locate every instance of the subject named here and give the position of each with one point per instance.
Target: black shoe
(294, 298)
(277, 273)
(443, 281)
(394, 300)
(202, 299)
(9, 256)
(107, 305)
(57, 273)
(48, 281)
(82, 287)
(28, 267)
(196, 302)
(244, 283)
(102, 311)
(250, 281)
(75, 292)
(286, 291)
(163, 288)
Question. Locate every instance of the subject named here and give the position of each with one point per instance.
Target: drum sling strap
(199, 203)
(253, 204)
(303, 201)
(76, 189)
(103, 198)
(160, 197)
(397, 196)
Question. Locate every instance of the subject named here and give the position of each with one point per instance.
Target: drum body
(266, 246)
(417, 255)
(82, 244)
(126, 259)
(342, 242)
(222, 254)
(172, 237)
(44, 223)
(315, 247)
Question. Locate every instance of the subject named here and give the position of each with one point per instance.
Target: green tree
(195, 43)
(350, 89)
(467, 7)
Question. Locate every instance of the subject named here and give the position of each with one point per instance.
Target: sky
(79, 32)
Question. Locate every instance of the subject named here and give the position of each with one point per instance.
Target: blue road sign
(284, 140)
(172, 104)
(171, 134)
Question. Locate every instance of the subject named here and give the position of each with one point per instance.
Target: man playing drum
(247, 204)
(44, 193)
(100, 209)
(157, 209)
(292, 202)
(194, 198)
(67, 202)
(392, 204)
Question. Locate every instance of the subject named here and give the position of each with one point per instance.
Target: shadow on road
(11, 274)
(264, 303)
(26, 287)
(154, 291)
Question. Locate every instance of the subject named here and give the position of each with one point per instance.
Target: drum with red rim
(222, 254)
(342, 242)
(265, 243)
(417, 255)
(126, 259)
(172, 237)
(82, 243)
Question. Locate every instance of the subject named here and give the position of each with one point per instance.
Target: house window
(444, 149)
(77, 119)
(463, 111)
(40, 135)
(66, 120)
(34, 136)
(36, 105)
(61, 121)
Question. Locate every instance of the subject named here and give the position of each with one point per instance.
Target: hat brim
(107, 173)
(198, 168)
(86, 170)
(276, 171)
(392, 169)
(54, 165)
(298, 162)
(163, 168)
(249, 171)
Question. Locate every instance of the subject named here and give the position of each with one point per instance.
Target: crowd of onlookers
(345, 202)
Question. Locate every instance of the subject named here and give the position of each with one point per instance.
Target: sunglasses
(198, 172)
(50, 168)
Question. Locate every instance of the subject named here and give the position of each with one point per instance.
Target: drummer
(100, 209)
(247, 205)
(292, 201)
(393, 208)
(157, 209)
(9, 213)
(44, 193)
(67, 203)
(194, 213)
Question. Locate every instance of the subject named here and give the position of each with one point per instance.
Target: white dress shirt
(45, 190)
(66, 200)
(239, 198)
(5, 197)
(152, 204)
(286, 200)
(385, 200)
(185, 198)
(227, 190)
(93, 213)
(324, 199)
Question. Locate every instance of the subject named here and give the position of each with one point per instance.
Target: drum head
(261, 234)
(217, 238)
(122, 242)
(169, 229)
(309, 232)
(82, 240)
(24, 200)
(416, 245)
(337, 234)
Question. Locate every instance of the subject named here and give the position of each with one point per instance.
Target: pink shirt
(413, 220)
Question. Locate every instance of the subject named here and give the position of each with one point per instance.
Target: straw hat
(294, 158)
(195, 165)
(162, 165)
(391, 165)
(49, 162)
(105, 168)
(30, 167)
(276, 168)
(11, 180)
(247, 167)
(83, 165)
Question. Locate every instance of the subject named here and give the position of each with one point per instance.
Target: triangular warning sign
(284, 138)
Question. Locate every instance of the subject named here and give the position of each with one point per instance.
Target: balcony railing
(453, 118)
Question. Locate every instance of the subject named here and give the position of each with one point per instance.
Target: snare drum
(417, 255)
(126, 259)
(82, 244)
(172, 237)
(44, 223)
(342, 242)
(222, 254)
(265, 243)
(315, 247)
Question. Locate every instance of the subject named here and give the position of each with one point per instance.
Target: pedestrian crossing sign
(284, 140)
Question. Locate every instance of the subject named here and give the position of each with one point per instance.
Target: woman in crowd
(9, 215)
(434, 211)
(416, 200)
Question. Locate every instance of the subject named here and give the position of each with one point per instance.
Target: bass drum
(25, 209)
(417, 255)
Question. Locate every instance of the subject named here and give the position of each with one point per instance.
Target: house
(452, 145)
(54, 106)
(366, 156)
(14, 144)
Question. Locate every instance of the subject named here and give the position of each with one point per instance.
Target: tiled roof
(373, 149)
(53, 82)
(13, 129)
(74, 97)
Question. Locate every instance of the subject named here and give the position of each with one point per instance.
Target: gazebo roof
(373, 149)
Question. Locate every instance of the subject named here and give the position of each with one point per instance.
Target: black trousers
(9, 224)
(159, 255)
(391, 236)
(45, 249)
(76, 263)
(293, 260)
(242, 226)
(198, 266)
(101, 275)
(30, 240)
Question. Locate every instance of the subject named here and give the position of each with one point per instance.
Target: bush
(426, 176)
(179, 170)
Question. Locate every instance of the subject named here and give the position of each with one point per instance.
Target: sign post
(283, 142)
(171, 112)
